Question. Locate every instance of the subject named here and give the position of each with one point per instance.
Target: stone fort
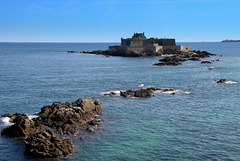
(139, 44)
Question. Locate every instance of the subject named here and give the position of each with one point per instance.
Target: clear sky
(109, 20)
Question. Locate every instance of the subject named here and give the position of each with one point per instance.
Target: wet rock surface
(46, 144)
(62, 118)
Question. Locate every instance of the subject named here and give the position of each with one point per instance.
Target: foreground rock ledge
(64, 118)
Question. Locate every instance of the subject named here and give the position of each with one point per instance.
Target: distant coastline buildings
(139, 43)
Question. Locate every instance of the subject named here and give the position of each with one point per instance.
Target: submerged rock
(222, 81)
(206, 62)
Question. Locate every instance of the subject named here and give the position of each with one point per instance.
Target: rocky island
(140, 46)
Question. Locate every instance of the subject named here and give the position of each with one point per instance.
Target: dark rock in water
(15, 117)
(194, 59)
(172, 59)
(68, 117)
(168, 89)
(46, 144)
(167, 64)
(127, 94)
(154, 88)
(124, 53)
(113, 94)
(94, 122)
(222, 81)
(144, 93)
(206, 62)
(23, 128)
(72, 52)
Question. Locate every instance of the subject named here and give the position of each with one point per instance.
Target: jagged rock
(127, 94)
(23, 128)
(222, 81)
(144, 93)
(206, 62)
(46, 144)
(68, 117)
(15, 117)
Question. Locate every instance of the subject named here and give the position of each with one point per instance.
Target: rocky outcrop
(64, 118)
(46, 144)
(181, 56)
(142, 93)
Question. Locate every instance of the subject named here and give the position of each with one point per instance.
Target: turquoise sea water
(203, 125)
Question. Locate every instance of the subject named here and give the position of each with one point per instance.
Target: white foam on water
(230, 82)
(5, 121)
(107, 93)
(174, 92)
(31, 116)
(140, 85)
(208, 68)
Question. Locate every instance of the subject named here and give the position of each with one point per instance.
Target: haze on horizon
(109, 20)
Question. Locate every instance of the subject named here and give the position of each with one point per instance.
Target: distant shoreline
(231, 41)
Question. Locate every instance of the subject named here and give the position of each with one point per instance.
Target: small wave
(109, 92)
(5, 121)
(174, 92)
(208, 68)
(230, 82)
(140, 85)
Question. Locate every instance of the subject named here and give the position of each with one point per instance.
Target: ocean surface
(202, 125)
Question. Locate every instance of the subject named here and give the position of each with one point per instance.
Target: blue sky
(109, 20)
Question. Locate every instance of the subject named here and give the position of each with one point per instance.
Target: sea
(201, 124)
